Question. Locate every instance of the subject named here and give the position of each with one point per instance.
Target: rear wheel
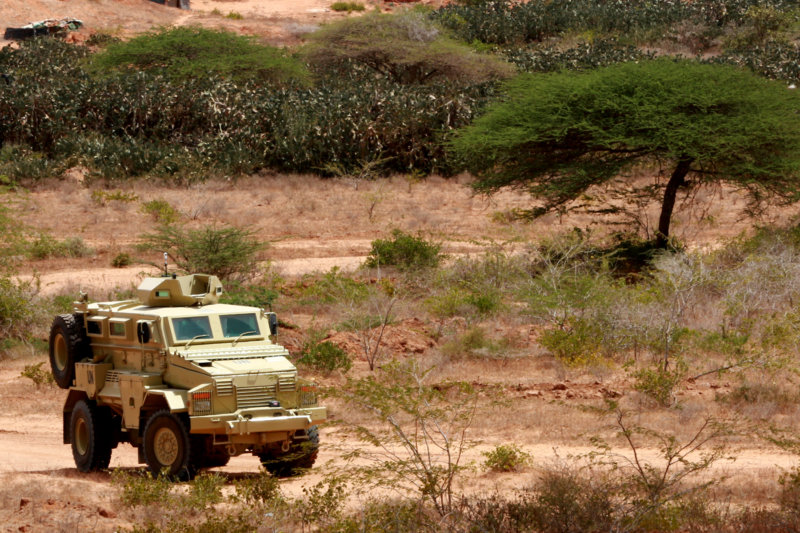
(167, 447)
(301, 456)
(91, 434)
(67, 345)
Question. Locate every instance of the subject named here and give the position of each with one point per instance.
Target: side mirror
(143, 332)
(272, 318)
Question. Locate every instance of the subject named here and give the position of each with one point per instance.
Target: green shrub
(144, 123)
(20, 311)
(37, 375)
(233, 15)
(536, 20)
(13, 246)
(578, 344)
(506, 458)
(347, 6)
(382, 515)
(101, 39)
(161, 211)
(568, 498)
(660, 384)
(102, 197)
(19, 163)
(335, 286)
(237, 293)
(188, 52)
(45, 246)
(141, 488)
(474, 343)
(406, 47)
(322, 504)
(404, 251)
(588, 55)
(255, 490)
(204, 491)
(227, 252)
(324, 356)
(121, 260)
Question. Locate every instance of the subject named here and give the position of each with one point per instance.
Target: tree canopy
(406, 47)
(188, 52)
(558, 134)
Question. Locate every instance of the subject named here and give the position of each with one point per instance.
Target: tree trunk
(675, 182)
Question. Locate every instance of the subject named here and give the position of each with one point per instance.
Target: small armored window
(94, 327)
(162, 294)
(118, 329)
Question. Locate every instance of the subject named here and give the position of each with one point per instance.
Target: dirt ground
(277, 22)
(313, 225)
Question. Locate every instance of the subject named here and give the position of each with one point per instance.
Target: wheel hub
(165, 446)
(60, 353)
(81, 436)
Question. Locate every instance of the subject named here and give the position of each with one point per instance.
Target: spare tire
(68, 344)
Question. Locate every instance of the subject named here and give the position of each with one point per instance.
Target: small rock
(559, 386)
(570, 394)
(105, 513)
(23, 502)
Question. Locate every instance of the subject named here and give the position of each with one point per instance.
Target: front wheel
(91, 435)
(167, 446)
(301, 456)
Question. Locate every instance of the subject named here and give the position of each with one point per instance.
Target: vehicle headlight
(201, 403)
(308, 395)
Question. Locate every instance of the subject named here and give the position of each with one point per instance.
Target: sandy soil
(315, 224)
(40, 489)
(278, 22)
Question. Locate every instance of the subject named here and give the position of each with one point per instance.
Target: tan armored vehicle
(188, 381)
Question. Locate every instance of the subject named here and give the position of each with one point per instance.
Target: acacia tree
(405, 47)
(558, 134)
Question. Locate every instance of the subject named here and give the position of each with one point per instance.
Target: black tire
(206, 455)
(167, 446)
(301, 456)
(91, 432)
(68, 344)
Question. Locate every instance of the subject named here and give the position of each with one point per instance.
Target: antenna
(166, 257)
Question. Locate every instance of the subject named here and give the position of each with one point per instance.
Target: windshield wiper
(242, 335)
(195, 338)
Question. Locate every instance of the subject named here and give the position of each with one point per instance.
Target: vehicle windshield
(192, 327)
(238, 325)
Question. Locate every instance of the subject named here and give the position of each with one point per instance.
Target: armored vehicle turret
(187, 380)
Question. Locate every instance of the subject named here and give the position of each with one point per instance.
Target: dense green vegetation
(406, 48)
(161, 106)
(186, 53)
(557, 135)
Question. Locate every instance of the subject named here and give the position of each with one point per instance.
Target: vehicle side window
(191, 327)
(118, 329)
(94, 327)
(235, 325)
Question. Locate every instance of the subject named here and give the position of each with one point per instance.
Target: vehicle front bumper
(266, 421)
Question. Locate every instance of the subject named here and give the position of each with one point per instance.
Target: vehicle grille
(251, 397)
(112, 376)
(224, 387)
(286, 382)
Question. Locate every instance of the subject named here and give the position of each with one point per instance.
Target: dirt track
(40, 489)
